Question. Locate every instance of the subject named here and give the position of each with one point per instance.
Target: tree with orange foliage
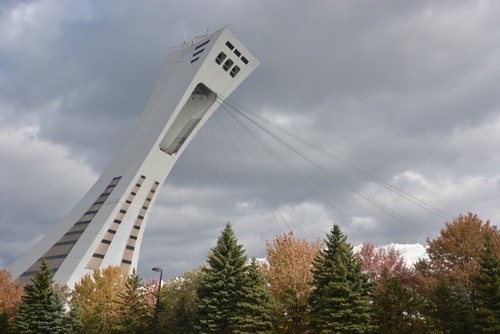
(10, 297)
(455, 254)
(288, 272)
(98, 297)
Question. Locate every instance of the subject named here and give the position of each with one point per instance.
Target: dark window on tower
(229, 45)
(227, 65)
(198, 52)
(202, 44)
(220, 58)
(234, 71)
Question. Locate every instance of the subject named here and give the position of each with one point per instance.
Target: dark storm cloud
(407, 91)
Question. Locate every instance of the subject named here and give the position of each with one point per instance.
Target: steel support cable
(335, 211)
(230, 140)
(243, 138)
(377, 204)
(418, 202)
(383, 208)
(370, 199)
(426, 206)
(212, 142)
(207, 139)
(240, 153)
(217, 162)
(341, 216)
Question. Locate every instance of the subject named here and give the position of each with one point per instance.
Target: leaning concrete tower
(106, 226)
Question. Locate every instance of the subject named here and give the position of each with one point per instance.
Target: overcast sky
(406, 92)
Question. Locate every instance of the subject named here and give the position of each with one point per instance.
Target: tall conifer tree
(41, 310)
(73, 321)
(488, 290)
(397, 308)
(5, 327)
(340, 302)
(220, 290)
(450, 309)
(254, 312)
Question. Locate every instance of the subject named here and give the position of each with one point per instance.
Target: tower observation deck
(107, 225)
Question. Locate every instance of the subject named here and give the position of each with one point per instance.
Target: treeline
(301, 287)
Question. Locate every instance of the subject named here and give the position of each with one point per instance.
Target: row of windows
(102, 248)
(60, 250)
(197, 51)
(236, 52)
(221, 57)
(32, 273)
(130, 247)
(228, 64)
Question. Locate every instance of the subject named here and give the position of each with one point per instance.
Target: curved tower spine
(106, 226)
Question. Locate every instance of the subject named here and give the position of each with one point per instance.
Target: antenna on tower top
(185, 32)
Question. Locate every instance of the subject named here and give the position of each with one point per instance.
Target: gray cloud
(406, 91)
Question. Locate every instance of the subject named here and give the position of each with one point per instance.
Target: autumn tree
(10, 298)
(288, 272)
(455, 254)
(447, 277)
(98, 297)
(220, 289)
(381, 261)
(340, 302)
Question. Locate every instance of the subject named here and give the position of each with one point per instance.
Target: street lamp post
(157, 298)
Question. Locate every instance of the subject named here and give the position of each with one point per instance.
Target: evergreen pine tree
(397, 308)
(220, 289)
(73, 321)
(56, 314)
(254, 312)
(440, 307)
(340, 302)
(463, 322)
(5, 327)
(41, 310)
(487, 302)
